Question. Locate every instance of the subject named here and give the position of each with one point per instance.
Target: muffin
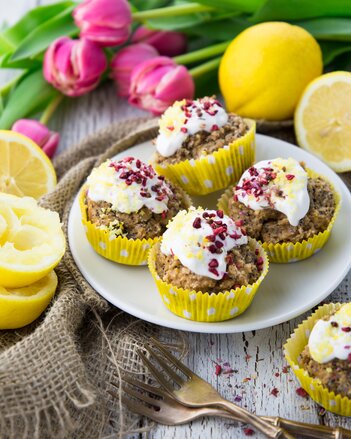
(205, 267)
(201, 147)
(319, 352)
(289, 209)
(125, 208)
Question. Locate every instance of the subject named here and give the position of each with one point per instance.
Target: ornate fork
(153, 402)
(195, 392)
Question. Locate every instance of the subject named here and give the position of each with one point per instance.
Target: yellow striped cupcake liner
(117, 249)
(215, 171)
(206, 307)
(289, 252)
(292, 350)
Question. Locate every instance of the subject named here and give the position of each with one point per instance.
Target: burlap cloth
(55, 374)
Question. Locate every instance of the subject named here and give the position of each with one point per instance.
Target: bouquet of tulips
(156, 51)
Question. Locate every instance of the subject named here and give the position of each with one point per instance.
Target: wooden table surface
(256, 357)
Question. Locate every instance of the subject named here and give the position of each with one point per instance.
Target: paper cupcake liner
(119, 249)
(289, 252)
(205, 307)
(215, 171)
(292, 350)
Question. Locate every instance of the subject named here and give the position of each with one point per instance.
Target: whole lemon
(265, 69)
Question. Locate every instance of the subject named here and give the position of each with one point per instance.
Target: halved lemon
(323, 120)
(21, 306)
(25, 170)
(31, 241)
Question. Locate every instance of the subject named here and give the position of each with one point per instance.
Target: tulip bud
(107, 22)
(74, 66)
(165, 42)
(125, 61)
(39, 133)
(158, 82)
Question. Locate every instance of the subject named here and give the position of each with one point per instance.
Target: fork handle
(269, 429)
(310, 430)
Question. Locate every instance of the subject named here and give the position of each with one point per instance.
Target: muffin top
(186, 118)
(201, 240)
(331, 339)
(129, 185)
(278, 184)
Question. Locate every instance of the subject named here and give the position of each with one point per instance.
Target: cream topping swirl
(187, 117)
(279, 184)
(331, 338)
(201, 239)
(128, 185)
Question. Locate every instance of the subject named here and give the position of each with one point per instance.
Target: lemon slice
(25, 170)
(323, 120)
(31, 241)
(21, 306)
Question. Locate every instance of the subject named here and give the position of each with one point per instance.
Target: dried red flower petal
(302, 392)
(218, 369)
(274, 392)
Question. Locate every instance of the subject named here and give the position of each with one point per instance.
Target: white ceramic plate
(288, 290)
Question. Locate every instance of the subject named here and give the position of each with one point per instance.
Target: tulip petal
(176, 84)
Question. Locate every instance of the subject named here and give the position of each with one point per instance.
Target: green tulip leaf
(13, 36)
(300, 9)
(179, 22)
(332, 49)
(143, 5)
(336, 29)
(220, 30)
(41, 37)
(26, 63)
(31, 93)
(248, 6)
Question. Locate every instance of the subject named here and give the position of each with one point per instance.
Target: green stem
(199, 55)
(171, 11)
(50, 109)
(205, 67)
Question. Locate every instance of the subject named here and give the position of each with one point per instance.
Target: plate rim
(204, 327)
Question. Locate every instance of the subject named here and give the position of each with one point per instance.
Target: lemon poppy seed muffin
(204, 250)
(277, 202)
(327, 356)
(190, 129)
(127, 198)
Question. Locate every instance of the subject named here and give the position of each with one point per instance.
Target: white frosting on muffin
(279, 184)
(201, 239)
(185, 118)
(331, 338)
(128, 185)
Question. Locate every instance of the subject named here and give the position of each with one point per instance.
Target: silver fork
(162, 408)
(195, 392)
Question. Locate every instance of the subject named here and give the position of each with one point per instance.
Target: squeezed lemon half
(21, 306)
(31, 241)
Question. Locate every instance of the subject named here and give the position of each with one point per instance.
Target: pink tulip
(39, 133)
(158, 82)
(74, 66)
(165, 42)
(124, 62)
(107, 22)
